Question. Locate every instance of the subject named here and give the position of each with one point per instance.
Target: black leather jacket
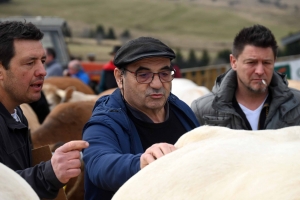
(15, 152)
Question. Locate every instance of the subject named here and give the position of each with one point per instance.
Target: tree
(100, 34)
(292, 48)
(100, 30)
(179, 59)
(111, 34)
(204, 61)
(192, 60)
(223, 56)
(125, 34)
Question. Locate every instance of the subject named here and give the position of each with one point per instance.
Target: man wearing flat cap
(136, 124)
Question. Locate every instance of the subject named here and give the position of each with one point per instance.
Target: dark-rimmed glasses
(147, 77)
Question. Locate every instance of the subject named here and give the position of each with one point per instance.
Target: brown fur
(63, 124)
(65, 82)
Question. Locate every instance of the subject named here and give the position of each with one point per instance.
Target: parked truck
(54, 29)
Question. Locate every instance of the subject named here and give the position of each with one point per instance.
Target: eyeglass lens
(147, 77)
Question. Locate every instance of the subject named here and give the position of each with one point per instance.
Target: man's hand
(154, 152)
(66, 160)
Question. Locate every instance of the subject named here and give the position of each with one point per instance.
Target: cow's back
(65, 82)
(13, 186)
(220, 163)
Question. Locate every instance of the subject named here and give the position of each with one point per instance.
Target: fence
(204, 76)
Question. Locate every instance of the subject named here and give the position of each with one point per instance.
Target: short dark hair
(12, 30)
(51, 52)
(256, 35)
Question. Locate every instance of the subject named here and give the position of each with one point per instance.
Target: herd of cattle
(197, 175)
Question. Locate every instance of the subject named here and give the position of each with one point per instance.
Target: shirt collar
(143, 117)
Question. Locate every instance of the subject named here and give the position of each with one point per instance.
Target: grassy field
(184, 24)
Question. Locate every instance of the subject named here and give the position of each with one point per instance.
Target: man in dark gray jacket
(251, 95)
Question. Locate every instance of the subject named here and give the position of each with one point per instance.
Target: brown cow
(55, 96)
(65, 82)
(33, 122)
(63, 124)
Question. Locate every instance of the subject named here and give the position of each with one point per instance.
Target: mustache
(151, 91)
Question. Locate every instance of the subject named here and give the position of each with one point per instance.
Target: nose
(40, 69)
(156, 83)
(259, 69)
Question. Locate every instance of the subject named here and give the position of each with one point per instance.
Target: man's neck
(250, 100)
(153, 116)
(7, 103)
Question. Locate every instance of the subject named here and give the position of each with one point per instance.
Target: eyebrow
(34, 58)
(146, 68)
(251, 59)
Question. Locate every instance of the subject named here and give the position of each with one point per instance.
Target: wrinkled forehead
(25, 49)
(151, 63)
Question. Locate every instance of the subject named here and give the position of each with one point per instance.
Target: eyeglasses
(147, 77)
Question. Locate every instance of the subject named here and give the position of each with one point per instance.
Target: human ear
(119, 77)
(233, 62)
(1, 71)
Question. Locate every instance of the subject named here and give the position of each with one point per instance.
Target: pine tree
(192, 60)
(204, 61)
(111, 34)
(100, 30)
(223, 56)
(179, 59)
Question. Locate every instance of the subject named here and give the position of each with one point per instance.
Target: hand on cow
(66, 160)
(154, 152)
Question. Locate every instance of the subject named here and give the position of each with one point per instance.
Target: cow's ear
(61, 94)
(68, 93)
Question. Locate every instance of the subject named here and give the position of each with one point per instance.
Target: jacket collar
(225, 87)
(9, 120)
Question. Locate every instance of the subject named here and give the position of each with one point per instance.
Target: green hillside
(193, 24)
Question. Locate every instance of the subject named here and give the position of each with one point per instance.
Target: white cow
(220, 163)
(55, 96)
(187, 90)
(294, 84)
(13, 186)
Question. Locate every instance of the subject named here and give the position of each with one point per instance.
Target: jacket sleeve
(42, 179)
(107, 164)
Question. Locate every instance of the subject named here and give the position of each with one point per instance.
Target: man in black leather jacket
(22, 73)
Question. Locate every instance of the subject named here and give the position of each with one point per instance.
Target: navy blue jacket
(115, 147)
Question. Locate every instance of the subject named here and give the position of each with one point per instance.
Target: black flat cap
(142, 47)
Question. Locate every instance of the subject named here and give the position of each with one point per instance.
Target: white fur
(55, 96)
(187, 90)
(220, 163)
(13, 186)
(294, 84)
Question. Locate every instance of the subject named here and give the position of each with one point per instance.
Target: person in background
(107, 80)
(138, 123)
(251, 95)
(177, 70)
(75, 70)
(53, 67)
(22, 73)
